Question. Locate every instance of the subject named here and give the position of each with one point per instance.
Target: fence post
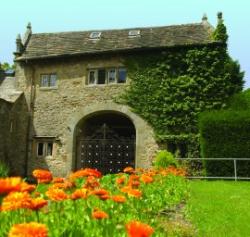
(235, 170)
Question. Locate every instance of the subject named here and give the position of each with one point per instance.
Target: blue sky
(65, 15)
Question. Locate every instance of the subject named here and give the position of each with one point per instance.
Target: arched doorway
(105, 141)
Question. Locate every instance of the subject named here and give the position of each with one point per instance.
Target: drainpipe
(30, 120)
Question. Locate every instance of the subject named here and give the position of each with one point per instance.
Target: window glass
(111, 76)
(101, 76)
(49, 148)
(92, 77)
(53, 80)
(40, 147)
(122, 75)
(45, 80)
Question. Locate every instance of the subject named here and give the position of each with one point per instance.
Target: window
(44, 148)
(122, 74)
(111, 76)
(134, 33)
(107, 76)
(48, 80)
(95, 35)
(101, 76)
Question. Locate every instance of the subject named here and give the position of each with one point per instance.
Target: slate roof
(47, 45)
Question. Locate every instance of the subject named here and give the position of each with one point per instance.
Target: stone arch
(146, 145)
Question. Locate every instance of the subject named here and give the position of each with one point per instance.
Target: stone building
(61, 112)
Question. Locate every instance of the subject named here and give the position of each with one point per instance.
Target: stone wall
(55, 111)
(13, 134)
(5, 108)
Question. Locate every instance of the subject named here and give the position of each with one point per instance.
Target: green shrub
(225, 134)
(4, 169)
(164, 159)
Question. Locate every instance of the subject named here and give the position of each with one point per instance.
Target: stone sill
(107, 85)
(48, 88)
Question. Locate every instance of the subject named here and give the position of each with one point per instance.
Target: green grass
(220, 208)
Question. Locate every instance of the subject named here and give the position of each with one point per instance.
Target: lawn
(220, 208)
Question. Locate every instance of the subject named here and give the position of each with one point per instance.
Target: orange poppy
(16, 200)
(135, 193)
(104, 197)
(91, 183)
(56, 194)
(58, 180)
(98, 214)
(31, 229)
(146, 178)
(129, 170)
(38, 203)
(119, 199)
(79, 193)
(25, 187)
(10, 184)
(120, 180)
(131, 192)
(138, 229)
(84, 173)
(42, 176)
(65, 185)
(100, 192)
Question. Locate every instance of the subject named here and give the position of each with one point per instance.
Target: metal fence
(235, 175)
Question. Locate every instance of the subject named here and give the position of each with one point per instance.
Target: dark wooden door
(106, 151)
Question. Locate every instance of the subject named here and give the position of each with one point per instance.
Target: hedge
(225, 134)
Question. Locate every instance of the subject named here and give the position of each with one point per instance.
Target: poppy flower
(98, 214)
(91, 183)
(119, 199)
(38, 203)
(16, 200)
(25, 187)
(79, 193)
(138, 229)
(31, 229)
(131, 192)
(129, 170)
(42, 176)
(146, 179)
(100, 192)
(65, 185)
(10, 184)
(58, 180)
(120, 180)
(104, 197)
(56, 194)
(85, 173)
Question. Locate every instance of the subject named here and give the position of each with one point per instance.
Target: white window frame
(49, 78)
(45, 152)
(107, 75)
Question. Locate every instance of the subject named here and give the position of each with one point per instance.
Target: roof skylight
(95, 35)
(134, 33)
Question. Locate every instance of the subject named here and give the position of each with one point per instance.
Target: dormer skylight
(134, 33)
(95, 35)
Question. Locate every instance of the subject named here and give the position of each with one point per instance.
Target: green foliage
(164, 159)
(170, 89)
(225, 134)
(5, 66)
(4, 169)
(240, 101)
(220, 32)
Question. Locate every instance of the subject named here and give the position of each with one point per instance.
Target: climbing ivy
(171, 88)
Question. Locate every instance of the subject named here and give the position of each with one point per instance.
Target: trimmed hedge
(225, 134)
